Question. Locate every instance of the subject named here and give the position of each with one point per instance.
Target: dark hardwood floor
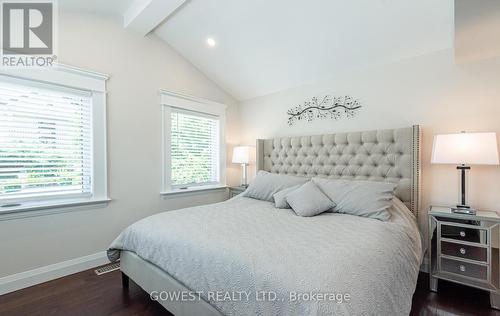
(81, 294)
(451, 299)
(87, 294)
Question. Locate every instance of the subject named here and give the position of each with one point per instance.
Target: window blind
(194, 148)
(45, 141)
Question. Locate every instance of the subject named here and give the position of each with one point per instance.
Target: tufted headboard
(391, 155)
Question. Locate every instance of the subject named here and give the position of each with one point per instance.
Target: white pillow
(308, 200)
(266, 184)
(362, 198)
(280, 197)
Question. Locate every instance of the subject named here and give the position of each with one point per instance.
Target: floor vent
(108, 268)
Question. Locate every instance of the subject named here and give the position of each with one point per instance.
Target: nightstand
(464, 249)
(234, 191)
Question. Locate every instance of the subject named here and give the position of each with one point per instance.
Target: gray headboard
(391, 155)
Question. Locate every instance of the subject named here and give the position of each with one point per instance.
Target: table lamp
(465, 149)
(241, 155)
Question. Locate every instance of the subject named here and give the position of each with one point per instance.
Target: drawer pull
(462, 268)
(462, 233)
(462, 251)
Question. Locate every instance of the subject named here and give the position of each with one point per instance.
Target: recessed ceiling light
(210, 42)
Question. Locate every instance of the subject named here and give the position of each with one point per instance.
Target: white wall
(138, 66)
(429, 90)
(477, 25)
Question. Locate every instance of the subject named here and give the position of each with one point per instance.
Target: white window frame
(169, 100)
(74, 78)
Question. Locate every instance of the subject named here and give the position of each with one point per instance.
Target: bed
(245, 257)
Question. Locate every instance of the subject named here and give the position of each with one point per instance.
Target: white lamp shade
(465, 148)
(241, 154)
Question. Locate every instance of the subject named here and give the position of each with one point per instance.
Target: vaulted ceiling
(107, 7)
(264, 46)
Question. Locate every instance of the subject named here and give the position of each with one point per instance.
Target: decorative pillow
(266, 184)
(280, 197)
(362, 198)
(308, 200)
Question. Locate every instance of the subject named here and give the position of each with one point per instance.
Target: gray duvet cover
(246, 257)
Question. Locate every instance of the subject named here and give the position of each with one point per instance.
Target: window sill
(194, 190)
(31, 209)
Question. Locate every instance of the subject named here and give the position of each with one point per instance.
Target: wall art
(327, 107)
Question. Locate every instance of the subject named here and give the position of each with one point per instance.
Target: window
(194, 148)
(193, 143)
(52, 140)
(45, 137)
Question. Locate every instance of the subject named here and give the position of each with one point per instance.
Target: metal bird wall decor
(328, 107)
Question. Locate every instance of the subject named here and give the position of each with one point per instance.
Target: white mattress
(246, 246)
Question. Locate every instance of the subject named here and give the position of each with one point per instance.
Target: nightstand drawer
(464, 251)
(464, 233)
(471, 270)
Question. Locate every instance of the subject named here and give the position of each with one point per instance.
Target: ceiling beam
(143, 16)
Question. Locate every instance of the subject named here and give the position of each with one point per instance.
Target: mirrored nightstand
(465, 249)
(234, 191)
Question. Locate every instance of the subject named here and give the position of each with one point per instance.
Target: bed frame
(391, 155)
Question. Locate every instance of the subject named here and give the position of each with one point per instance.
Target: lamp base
(244, 178)
(463, 210)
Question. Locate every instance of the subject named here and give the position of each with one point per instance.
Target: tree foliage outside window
(194, 149)
(44, 142)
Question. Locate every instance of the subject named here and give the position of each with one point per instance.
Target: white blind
(45, 140)
(194, 148)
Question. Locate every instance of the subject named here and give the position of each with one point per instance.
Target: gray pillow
(266, 184)
(280, 197)
(362, 198)
(308, 200)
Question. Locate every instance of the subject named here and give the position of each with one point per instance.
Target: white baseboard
(54, 271)
(25, 279)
